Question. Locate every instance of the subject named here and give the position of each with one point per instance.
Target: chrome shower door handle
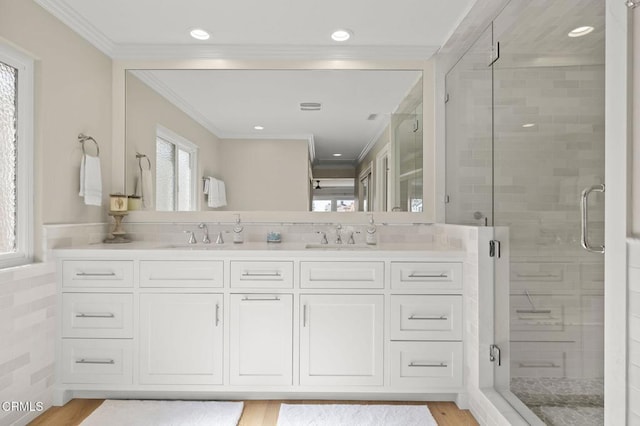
(584, 209)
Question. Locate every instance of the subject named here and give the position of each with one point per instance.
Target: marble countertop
(291, 248)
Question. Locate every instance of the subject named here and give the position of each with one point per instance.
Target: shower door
(525, 150)
(548, 163)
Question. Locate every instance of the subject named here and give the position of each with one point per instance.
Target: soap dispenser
(237, 231)
(371, 238)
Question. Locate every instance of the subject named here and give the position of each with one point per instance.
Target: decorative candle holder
(118, 234)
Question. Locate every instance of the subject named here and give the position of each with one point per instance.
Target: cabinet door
(261, 333)
(181, 338)
(341, 340)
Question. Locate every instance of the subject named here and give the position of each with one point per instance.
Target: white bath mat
(354, 415)
(165, 413)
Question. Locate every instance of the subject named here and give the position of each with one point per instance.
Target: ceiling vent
(372, 117)
(310, 106)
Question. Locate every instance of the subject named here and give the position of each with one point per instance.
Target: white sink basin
(336, 247)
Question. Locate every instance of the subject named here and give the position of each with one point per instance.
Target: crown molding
(209, 51)
(179, 102)
(80, 25)
(372, 142)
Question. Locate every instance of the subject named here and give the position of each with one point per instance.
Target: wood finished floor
(256, 413)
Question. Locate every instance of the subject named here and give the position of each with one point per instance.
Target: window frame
(24, 253)
(181, 143)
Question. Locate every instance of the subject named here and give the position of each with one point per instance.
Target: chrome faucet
(338, 236)
(205, 238)
(324, 237)
(192, 237)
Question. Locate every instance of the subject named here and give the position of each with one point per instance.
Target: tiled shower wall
(556, 287)
(538, 174)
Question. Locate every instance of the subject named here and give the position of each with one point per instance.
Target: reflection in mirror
(275, 140)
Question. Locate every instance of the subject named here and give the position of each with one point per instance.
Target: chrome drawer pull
(537, 276)
(304, 316)
(95, 274)
(441, 275)
(95, 361)
(260, 299)
(539, 365)
(261, 274)
(432, 318)
(217, 314)
(416, 364)
(533, 311)
(105, 315)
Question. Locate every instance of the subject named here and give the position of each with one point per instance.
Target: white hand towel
(147, 189)
(216, 193)
(91, 180)
(222, 193)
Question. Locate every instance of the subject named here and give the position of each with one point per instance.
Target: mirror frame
(118, 163)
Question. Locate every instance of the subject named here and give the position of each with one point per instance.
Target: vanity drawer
(426, 364)
(181, 273)
(426, 276)
(247, 274)
(97, 273)
(97, 361)
(97, 315)
(433, 317)
(338, 275)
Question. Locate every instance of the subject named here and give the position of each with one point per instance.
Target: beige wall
(145, 109)
(73, 95)
(265, 174)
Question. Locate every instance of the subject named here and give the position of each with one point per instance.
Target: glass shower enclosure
(525, 150)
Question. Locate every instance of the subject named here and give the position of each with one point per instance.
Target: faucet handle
(351, 239)
(192, 237)
(219, 240)
(324, 237)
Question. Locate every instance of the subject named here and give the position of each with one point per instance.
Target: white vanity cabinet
(261, 339)
(180, 338)
(341, 339)
(426, 346)
(259, 323)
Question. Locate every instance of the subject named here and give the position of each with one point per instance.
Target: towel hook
(140, 157)
(82, 138)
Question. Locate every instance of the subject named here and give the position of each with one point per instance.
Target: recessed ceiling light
(199, 34)
(337, 155)
(580, 31)
(527, 125)
(341, 35)
(258, 127)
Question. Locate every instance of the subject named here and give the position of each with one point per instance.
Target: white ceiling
(419, 27)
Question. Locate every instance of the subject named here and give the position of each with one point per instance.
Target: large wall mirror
(299, 140)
